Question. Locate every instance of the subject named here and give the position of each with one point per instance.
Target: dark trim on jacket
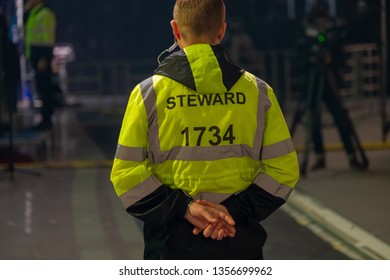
(177, 67)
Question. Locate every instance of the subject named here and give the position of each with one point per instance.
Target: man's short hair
(199, 17)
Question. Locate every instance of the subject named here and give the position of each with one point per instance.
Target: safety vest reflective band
(145, 188)
(278, 149)
(272, 186)
(130, 153)
(268, 152)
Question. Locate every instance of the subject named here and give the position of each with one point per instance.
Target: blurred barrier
(63, 55)
(275, 67)
(106, 82)
(111, 81)
(361, 76)
(363, 72)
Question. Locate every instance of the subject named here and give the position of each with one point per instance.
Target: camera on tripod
(320, 36)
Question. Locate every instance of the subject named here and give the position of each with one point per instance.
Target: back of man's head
(199, 17)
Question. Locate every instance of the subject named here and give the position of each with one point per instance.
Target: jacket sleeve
(254, 203)
(140, 191)
(279, 172)
(161, 206)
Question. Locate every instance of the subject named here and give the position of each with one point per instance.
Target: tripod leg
(355, 139)
(349, 125)
(298, 114)
(306, 151)
(385, 130)
(313, 102)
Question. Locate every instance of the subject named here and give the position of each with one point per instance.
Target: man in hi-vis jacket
(204, 153)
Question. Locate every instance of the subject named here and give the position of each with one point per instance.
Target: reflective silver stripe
(140, 191)
(130, 153)
(272, 186)
(201, 153)
(155, 155)
(276, 150)
(150, 99)
(214, 197)
(263, 105)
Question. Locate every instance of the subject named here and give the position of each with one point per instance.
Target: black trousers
(332, 99)
(44, 81)
(179, 243)
(44, 86)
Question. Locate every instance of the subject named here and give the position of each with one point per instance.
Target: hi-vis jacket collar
(216, 74)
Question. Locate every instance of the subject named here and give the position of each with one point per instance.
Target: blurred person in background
(319, 55)
(9, 71)
(40, 35)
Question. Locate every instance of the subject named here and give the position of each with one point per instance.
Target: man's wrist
(188, 209)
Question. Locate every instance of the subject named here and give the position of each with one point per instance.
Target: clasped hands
(211, 218)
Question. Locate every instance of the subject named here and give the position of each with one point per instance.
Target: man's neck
(198, 40)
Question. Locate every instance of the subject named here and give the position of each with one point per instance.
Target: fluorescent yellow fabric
(128, 174)
(40, 28)
(285, 168)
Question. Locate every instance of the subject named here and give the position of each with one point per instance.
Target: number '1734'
(212, 134)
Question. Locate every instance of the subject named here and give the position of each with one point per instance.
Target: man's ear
(175, 30)
(221, 32)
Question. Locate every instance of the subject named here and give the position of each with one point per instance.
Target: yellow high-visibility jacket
(40, 30)
(203, 128)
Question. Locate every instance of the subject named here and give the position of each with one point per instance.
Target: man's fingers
(208, 231)
(227, 218)
(209, 214)
(230, 230)
(214, 222)
(196, 230)
(219, 231)
(215, 233)
(221, 215)
(221, 234)
(217, 209)
(197, 222)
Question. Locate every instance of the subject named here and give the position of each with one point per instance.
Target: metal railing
(362, 77)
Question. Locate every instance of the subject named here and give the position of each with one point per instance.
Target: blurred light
(321, 38)
(64, 52)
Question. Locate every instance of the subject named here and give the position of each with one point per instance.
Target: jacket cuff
(182, 202)
(237, 209)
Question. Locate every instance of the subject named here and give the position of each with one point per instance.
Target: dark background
(129, 29)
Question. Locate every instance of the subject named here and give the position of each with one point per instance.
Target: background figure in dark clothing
(9, 72)
(40, 38)
(320, 54)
